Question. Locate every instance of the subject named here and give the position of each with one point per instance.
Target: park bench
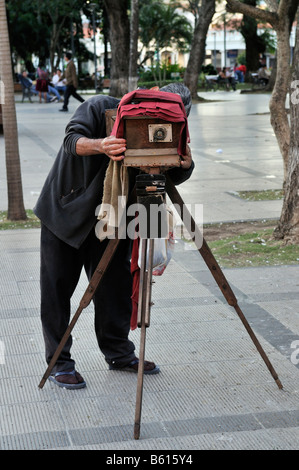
(210, 82)
(257, 83)
(105, 83)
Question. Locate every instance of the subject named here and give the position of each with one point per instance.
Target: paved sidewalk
(214, 390)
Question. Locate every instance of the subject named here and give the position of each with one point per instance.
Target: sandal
(71, 380)
(149, 367)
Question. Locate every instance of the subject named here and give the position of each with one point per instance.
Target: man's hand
(186, 160)
(114, 147)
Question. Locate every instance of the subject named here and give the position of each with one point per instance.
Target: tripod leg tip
(136, 431)
(41, 384)
(279, 384)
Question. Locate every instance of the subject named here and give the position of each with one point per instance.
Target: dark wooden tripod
(145, 297)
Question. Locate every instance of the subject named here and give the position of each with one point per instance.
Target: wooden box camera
(151, 142)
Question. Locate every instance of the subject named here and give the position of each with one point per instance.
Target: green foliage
(209, 69)
(166, 70)
(161, 26)
(241, 59)
(269, 40)
(35, 25)
(28, 33)
(152, 83)
(160, 74)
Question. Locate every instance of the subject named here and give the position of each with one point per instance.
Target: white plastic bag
(163, 248)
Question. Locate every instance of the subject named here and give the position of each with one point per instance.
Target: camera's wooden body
(151, 142)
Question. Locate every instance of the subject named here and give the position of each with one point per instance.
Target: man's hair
(68, 55)
(181, 90)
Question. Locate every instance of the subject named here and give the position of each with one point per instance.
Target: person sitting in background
(262, 75)
(59, 84)
(228, 77)
(238, 73)
(242, 68)
(42, 82)
(28, 83)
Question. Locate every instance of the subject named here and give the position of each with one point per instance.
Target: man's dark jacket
(74, 187)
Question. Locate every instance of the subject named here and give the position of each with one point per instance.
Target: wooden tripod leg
(143, 321)
(85, 301)
(216, 271)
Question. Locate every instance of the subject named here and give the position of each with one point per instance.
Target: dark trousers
(61, 266)
(71, 91)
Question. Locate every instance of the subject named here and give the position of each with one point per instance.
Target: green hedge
(159, 84)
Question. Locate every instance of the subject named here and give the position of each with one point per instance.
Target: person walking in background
(42, 82)
(71, 82)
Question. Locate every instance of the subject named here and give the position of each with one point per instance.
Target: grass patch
(31, 222)
(265, 195)
(253, 249)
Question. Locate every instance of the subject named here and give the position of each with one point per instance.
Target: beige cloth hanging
(115, 196)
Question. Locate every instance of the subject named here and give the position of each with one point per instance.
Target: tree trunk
(120, 43)
(278, 112)
(134, 23)
(198, 49)
(288, 226)
(287, 135)
(280, 21)
(16, 210)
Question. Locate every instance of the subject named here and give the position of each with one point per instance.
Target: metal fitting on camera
(153, 220)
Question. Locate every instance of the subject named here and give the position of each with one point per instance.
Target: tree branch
(234, 6)
(272, 4)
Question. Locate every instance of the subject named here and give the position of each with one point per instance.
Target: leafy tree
(278, 17)
(281, 16)
(161, 25)
(65, 21)
(44, 28)
(29, 34)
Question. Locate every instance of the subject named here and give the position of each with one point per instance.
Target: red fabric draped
(160, 105)
(135, 270)
(156, 104)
